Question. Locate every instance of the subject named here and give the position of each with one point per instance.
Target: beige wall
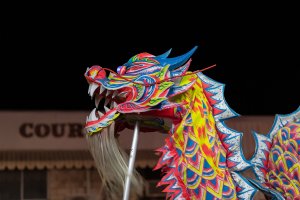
(58, 130)
(42, 130)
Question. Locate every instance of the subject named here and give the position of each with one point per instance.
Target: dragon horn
(164, 55)
(177, 61)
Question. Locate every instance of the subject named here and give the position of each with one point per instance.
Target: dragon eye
(121, 70)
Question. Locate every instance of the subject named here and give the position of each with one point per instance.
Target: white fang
(93, 116)
(101, 89)
(93, 87)
(106, 109)
(100, 113)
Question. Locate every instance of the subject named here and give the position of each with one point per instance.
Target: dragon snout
(95, 73)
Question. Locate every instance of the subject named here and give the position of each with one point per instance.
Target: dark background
(43, 62)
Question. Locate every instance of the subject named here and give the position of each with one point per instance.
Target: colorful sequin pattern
(276, 159)
(194, 155)
(283, 172)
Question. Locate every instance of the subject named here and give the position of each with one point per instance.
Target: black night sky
(43, 63)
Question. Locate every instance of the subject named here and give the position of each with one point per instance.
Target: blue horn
(164, 55)
(177, 61)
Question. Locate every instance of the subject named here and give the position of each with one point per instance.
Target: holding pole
(131, 161)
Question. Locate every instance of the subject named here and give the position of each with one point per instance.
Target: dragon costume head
(202, 158)
(146, 83)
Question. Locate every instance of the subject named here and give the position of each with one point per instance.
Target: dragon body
(276, 162)
(193, 157)
(202, 158)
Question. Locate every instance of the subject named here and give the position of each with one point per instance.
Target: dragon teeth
(106, 102)
(108, 92)
(89, 89)
(102, 89)
(114, 94)
(100, 113)
(115, 104)
(93, 116)
(92, 88)
(97, 100)
(106, 109)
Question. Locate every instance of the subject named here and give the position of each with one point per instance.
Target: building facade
(44, 155)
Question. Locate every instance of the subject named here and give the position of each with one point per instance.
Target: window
(23, 185)
(10, 182)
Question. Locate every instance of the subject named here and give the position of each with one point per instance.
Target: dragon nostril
(121, 70)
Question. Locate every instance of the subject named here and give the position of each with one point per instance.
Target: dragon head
(146, 84)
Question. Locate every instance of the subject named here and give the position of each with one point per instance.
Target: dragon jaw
(145, 84)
